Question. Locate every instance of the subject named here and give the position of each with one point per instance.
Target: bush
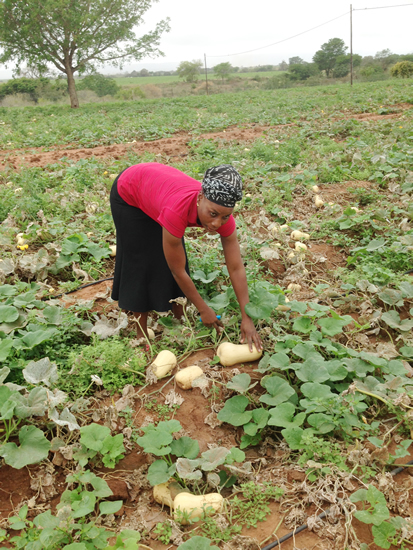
(99, 84)
(30, 86)
(303, 71)
(372, 72)
(130, 93)
(403, 69)
(277, 81)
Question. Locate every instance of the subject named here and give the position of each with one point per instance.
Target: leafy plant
(386, 530)
(113, 360)
(97, 441)
(71, 527)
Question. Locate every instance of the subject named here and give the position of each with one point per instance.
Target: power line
(279, 42)
(382, 7)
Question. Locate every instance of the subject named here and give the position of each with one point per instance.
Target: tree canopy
(189, 70)
(296, 61)
(326, 57)
(75, 35)
(223, 69)
(403, 69)
(303, 71)
(101, 85)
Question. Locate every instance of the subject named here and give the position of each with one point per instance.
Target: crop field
(140, 80)
(300, 449)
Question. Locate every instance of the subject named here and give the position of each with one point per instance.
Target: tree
(403, 69)
(327, 56)
(303, 71)
(189, 70)
(386, 58)
(343, 64)
(283, 66)
(75, 35)
(296, 61)
(101, 85)
(223, 69)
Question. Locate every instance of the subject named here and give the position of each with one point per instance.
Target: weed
(106, 359)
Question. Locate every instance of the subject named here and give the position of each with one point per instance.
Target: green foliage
(223, 70)
(402, 69)
(386, 530)
(112, 360)
(31, 329)
(197, 543)
(189, 70)
(96, 441)
(72, 526)
(164, 532)
(74, 246)
(31, 86)
(248, 507)
(101, 85)
(131, 93)
(303, 71)
(34, 447)
(330, 52)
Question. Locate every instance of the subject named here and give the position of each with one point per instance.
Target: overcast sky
(221, 27)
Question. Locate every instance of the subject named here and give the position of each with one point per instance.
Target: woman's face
(212, 215)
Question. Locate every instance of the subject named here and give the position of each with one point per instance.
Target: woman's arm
(175, 257)
(238, 277)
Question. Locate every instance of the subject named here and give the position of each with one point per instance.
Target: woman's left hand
(249, 333)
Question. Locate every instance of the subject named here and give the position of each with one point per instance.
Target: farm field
(140, 80)
(310, 434)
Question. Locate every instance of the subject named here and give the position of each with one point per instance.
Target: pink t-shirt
(165, 194)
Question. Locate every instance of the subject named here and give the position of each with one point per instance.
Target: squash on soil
(231, 354)
(185, 377)
(164, 362)
(188, 507)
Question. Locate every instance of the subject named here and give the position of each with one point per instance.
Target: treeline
(35, 88)
(55, 90)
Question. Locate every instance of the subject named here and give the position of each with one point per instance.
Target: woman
(152, 204)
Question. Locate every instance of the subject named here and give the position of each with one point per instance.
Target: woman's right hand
(209, 318)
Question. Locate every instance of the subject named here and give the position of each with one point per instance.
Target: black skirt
(143, 280)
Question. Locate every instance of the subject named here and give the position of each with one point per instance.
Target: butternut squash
(300, 247)
(162, 494)
(231, 354)
(163, 364)
(188, 507)
(298, 235)
(165, 493)
(318, 201)
(185, 377)
(112, 250)
(315, 188)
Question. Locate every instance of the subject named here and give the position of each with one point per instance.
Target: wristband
(218, 317)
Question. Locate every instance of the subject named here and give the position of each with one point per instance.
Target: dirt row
(174, 147)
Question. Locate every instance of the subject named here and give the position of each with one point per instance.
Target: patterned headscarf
(222, 185)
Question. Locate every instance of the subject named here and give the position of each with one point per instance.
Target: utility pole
(206, 74)
(351, 44)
